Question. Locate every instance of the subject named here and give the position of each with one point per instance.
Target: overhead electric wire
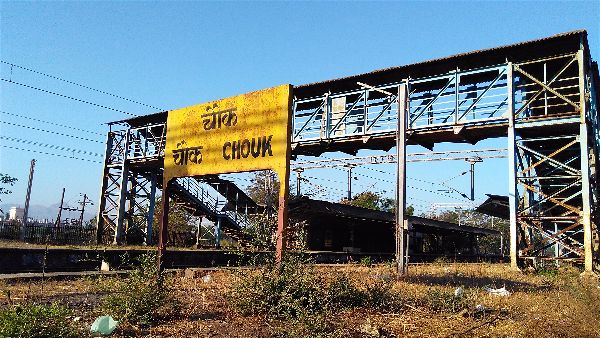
(52, 154)
(305, 179)
(379, 180)
(51, 146)
(79, 85)
(51, 132)
(68, 97)
(51, 123)
(408, 177)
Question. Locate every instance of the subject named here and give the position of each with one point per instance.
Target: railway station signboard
(242, 133)
(237, 134)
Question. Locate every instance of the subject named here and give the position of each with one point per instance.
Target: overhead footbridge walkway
(540, 96)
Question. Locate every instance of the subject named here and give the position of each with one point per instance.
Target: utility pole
(472, 162)
(349, 181)
(27, 196)
(85, 201)
(298, 179)
(60, 209)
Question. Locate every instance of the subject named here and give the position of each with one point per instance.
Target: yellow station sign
(236, 134)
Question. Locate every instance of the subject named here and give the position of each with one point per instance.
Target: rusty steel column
(586, 215)
(513, 197)
(282, 215)
(284, 191)
(401, 265)
(163, 230)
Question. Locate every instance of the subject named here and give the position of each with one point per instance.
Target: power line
(51, 132)
(80, 85)
(51, 146)
(305, 179)
(51, 123)
(67, 97)
(52, 154)
(408, 177)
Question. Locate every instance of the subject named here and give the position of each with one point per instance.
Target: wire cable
(408, 177)
(52, 154)
(79, 85)
(51, 146)
(68, 97)
(51, 123)
(51, 132)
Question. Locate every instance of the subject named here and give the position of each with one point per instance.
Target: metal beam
(401, 264)
(123, 182)
(512, 170)
(584, 146)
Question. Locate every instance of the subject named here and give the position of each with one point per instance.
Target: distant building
(16, 214)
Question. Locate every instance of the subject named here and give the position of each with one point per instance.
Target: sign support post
(242, 133)
(163, 230)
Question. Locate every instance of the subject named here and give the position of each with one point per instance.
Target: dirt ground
(546, 304)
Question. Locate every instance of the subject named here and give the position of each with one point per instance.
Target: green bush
(547, 271)
(293, 293)
(296, 293)
(142, 297)
(290, 291)
(380, 296)
(37, 321)
(341, 292)
(366, 261)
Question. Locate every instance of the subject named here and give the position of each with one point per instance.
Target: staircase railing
(214, 205)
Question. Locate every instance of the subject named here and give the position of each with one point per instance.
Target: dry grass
(539, 306)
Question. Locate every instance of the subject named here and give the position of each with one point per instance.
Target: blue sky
(175, 54)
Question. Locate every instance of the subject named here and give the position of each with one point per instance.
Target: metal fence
(69, 234)
(48, 233)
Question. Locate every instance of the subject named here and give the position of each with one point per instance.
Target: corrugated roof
(551, 45)
(304, 207)
(527, 50)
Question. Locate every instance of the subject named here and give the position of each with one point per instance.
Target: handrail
(214, 205)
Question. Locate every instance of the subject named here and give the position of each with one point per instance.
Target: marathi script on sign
(236, 134)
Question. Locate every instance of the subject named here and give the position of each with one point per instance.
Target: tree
(179, 219)
(487, 244)
(6, 181)
(264, 189)
(366, 199)
(374, 201)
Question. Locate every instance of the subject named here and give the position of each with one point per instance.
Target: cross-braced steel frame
(545, 105)
(129, 182)
(553, 186)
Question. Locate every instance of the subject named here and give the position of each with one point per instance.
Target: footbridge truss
(540, 95)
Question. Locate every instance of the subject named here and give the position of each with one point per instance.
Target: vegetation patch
(141, 298)
(37, 321)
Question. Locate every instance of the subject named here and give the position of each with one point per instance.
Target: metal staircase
(194, 194)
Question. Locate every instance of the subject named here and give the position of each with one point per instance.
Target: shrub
(37, 321)
(445, 301)
(142, 297)
(298, 294)
(380, 296)
(296, 290)
(290, 291)
(343, 293)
